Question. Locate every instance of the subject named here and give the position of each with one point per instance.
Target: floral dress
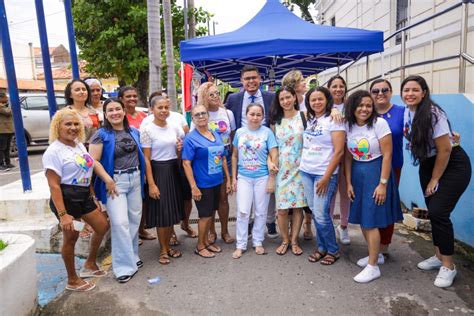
(289, 185)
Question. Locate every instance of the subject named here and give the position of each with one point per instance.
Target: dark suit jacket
(234, 103)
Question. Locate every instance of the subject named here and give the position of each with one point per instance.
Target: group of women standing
(351, 144)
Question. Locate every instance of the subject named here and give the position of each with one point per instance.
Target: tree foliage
(113, 39)
(303, 5)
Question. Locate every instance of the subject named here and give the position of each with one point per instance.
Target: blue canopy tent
(276, 41)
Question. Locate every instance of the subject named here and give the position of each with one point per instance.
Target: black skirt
(168, 210)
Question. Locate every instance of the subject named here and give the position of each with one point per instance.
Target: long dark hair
(67, 92)
(276, 111)
(343, 81)
(107, 124)
(329, 100)
(427, 115)
(353, 102)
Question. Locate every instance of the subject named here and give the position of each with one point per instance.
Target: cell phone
(78, 225)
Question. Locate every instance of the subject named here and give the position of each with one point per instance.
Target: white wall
(437, 38)
(22, 59)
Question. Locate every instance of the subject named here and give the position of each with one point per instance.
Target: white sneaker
(365, 261)
(369, 273)
(445, 277)
(343, 235)
(431, 263)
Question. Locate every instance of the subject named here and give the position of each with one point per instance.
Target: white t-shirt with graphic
(440, 128)
(222, 122)
(73, 165)
(318, 148)
(363, 142)
(161, 140)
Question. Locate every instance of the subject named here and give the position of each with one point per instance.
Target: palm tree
(192, 20)
(154, 45)
(169, 54)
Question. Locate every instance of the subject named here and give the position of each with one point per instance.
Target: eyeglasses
(377, 91)
(200, 114)
(250, 78)
(215, 94)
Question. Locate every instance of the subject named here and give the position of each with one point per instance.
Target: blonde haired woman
(68, 167)
(222, 122)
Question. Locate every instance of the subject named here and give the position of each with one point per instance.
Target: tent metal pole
(367, 74)
(403, 57)
(463, 47)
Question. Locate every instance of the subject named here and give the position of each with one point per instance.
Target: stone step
(47, 235)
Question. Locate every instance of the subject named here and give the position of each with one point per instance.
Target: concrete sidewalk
(277, 285)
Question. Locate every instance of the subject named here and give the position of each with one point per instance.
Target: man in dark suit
(237, 103)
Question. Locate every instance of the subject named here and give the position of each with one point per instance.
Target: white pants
(250, 190)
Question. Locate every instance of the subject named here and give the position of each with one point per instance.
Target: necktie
(252, 98)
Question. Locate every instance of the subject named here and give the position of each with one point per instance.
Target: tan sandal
(282, 249)
(316, 256)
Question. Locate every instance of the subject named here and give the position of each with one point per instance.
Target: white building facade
(437, 38)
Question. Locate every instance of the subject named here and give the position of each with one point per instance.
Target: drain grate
(195, 220)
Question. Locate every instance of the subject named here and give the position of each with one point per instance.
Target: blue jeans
(125, 211)
(320, 206)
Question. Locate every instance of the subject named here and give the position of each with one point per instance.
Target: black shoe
(139, 264)
(124, 278)
(4, 168)
(9, 165)
(272, 231)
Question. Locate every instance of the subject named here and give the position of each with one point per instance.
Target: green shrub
(3, 245)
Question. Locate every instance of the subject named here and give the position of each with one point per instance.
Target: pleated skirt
(364, 210)
(168, 210)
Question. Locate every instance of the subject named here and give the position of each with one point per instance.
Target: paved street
(277, 285)
(34, 159)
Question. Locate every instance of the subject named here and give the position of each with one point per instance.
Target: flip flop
(212, 238)
(214, 248)
(174, 241)
(147, 236)
(199, 253)
(236, 255)
(259, 250)
(296, 250)
(164, 259)
(174, 253)
(82, 288)
(228, 239)
(285, 246)
(191, 233)
(89, 273)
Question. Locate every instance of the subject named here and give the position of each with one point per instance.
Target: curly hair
(56, 123)
(292, 78)
(276, 111)
(67, 92)
(203, 95)
(427, 115)
(353, 102)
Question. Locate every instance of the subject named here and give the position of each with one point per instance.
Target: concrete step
(16, 204)
(47, 235)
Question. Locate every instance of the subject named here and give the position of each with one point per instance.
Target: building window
(333, 21)
(402, 18)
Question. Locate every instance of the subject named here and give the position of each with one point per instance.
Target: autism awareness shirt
(440, 128)
(206, 158)
(253, 148)
(317, 145)
(363, 142)
(73, 165)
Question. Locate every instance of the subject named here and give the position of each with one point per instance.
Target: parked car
(35, 114)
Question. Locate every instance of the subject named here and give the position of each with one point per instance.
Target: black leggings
(452, 185)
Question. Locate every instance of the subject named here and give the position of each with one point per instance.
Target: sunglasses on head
(377, 91)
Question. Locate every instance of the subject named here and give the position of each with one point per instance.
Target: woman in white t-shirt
(221, 121)
(445, 171)
(375, 202)
(338, 88)
(162, 143)
(323, 149)
(68, 167)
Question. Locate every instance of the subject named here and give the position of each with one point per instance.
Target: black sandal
(316, 256)
(330, 259)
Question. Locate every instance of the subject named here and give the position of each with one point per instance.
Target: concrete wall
(434, 39)
(460, 111)
(18, 280)
(23, 63)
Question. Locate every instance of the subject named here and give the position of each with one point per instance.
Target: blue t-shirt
(253, 148)
(394, 117)
(206, 158)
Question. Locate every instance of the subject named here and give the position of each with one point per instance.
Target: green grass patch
(3, 245)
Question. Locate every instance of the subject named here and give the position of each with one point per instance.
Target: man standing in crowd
(6, 132)
(237, 103)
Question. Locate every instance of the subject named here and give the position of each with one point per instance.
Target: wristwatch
(383, 181)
